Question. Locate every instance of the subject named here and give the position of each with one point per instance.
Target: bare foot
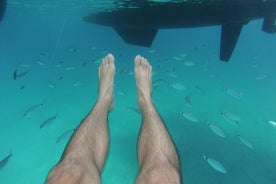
(106, 76)
(143, 75)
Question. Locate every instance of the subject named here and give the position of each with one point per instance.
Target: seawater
(61, 53)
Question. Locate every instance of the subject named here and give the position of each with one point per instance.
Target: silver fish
(188, 100)
(178, 86)
(135, 109)
(246, 142)
(234, 93)
(31, 109)
(5, 160)
(189, 116)
(272, 123)
(48, 121)
(17, 75)
(216, 130)
(215, 164)
(65, 135)
(231, 117)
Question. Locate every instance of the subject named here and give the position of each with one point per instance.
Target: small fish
(65, 134)
(97, 61)
(73, 49)
(189, 63)
(272, 123)
(93, 48)
(231, 117)
(121, 93)
(70, 68)
(19, 75)
(246, 142)
(5, 160)
(171, 74)
(260, 77)
(48, 121)
(215, 164)
(135, 109)
(189, 116)
(234, 93)
(40, 63)
(216, 130)
(77, 84)
(31, 109)
(23, 65)
(188, 100)
(177, 58)
(59, 64)
(178, 86)
(199, 89)
(183, 55)
(152, 51)
(156, 82)
(51, 85)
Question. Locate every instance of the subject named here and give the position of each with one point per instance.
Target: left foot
(106, 76)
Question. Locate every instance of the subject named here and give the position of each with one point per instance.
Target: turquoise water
(60, 53)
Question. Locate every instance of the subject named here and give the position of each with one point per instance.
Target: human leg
(84, 156)
(157, 154)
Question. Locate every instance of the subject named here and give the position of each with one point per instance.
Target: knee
(164, 174)
(70, 174)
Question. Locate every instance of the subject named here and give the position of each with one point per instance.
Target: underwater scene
(221, 115)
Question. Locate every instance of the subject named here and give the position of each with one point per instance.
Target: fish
(189, 63)
(39, 62)
(188, 100)
(157, 82)
(171, 74)
(272, 123)
(183, 55)
(215, 164)
(51, 85)
(72, 49)
(70, 68)
(97, 61)
(199, 89)
(216, 130)
(5, 160)
(48, 121)
(234, 93)
(135, 109)
(65, 134)
(189, 116)
(151, 51)
(31, 109)
(231, 117)
(24, 65)
(59, 64)
(17, 75)
(260, 77)
(77, 84)
(177, 58)
(246, 142)
(93, 48)
(121, 93)
(178, 86)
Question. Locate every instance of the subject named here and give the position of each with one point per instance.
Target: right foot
(143, 75)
